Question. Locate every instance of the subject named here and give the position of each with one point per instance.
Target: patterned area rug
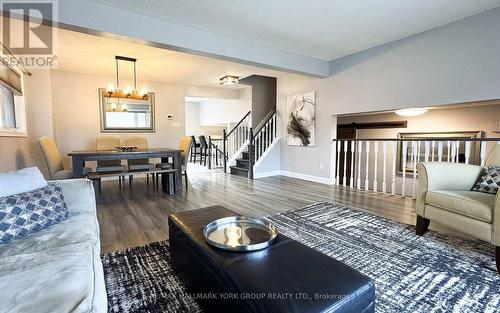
(141, 279)
(432, 273)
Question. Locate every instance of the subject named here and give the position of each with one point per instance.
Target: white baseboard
(266, 174)
(316, 179)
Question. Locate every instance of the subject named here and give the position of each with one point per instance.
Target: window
(7, 108)
(12, 108)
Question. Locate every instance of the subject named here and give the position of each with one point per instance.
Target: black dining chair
(195, 149)
(203, 150)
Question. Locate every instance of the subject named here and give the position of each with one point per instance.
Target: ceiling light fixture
(411, 112)
(128, 92)
(229, 80)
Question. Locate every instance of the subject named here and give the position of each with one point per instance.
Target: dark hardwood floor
(139, 216)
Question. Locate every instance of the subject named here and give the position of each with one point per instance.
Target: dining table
(79, 157)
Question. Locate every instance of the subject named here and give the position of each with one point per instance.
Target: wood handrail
(241, 121)
(421, 139)
(263, 122)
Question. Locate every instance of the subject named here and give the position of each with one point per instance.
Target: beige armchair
(444, 195)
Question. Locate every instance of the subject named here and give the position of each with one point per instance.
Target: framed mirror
(128, 115)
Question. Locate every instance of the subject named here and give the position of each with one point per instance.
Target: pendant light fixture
(128, 91)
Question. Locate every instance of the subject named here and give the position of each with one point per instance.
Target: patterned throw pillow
(29, 212)
(490, 181)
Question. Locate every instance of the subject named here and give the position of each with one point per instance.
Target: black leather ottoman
(286, 277)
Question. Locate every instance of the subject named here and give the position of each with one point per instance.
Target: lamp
(411, 112)
(229, 80)
(128, 92)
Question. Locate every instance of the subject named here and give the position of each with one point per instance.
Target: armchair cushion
(473, 204)
(489, 182)
(433, 176)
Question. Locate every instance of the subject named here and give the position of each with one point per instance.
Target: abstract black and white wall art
(301, 114)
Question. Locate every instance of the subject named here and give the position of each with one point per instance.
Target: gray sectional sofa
(57, 269)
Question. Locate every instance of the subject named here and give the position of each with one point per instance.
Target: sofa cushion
(61, 279)
(29, 212)
(489, 181)
(470, 203)
(23, 180)
(79, 196)
(80, 227)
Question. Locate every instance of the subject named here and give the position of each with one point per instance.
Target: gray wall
(451, 64)
(263, 96)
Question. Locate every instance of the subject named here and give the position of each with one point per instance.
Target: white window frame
(20, 113)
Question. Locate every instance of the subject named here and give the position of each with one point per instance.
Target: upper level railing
(387, 165)
(236, 138)
(261, 138)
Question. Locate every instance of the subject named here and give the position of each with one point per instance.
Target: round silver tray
(239, 233)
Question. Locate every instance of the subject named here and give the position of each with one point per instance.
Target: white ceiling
(324, 29)
(89, 54)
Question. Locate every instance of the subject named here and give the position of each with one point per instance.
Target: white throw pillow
(23, 180)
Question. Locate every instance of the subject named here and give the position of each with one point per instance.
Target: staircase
(250, 146)
(242, 164)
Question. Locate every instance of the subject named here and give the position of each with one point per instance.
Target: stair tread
(243, 160)
(239, 168)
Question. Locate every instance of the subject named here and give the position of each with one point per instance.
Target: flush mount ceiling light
(229, 80)
(411, 112)
(128, 92)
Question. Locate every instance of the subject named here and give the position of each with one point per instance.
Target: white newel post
(467, 152)
(360, 156)
(415, 148)
(483, 153)
(367, 182)
(440, 151)
(344, 178)
(404, 155)
(426, 151)
(453, 150)
(433, 147)
(449, 148)
(384, 168)
(351, 178)
(394, 158)
(418, 150)
(337, 180)
(375, 169)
